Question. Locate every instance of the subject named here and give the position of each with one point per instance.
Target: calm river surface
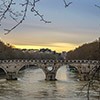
(32, 86)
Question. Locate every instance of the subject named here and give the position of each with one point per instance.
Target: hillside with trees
(88, 51)
(9, 52)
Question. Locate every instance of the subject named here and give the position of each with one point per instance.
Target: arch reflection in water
(2, 73)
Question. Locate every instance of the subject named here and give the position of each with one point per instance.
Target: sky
(69, 28)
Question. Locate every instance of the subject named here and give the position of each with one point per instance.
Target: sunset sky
(70, 27)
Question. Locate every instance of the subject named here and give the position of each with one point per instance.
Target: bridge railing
(84, 61)
(51, 61)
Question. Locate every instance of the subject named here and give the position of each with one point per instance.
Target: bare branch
(97, 6)
(19, 16)
(8, 7)
(66, 4)
(23, 18)
(94, 82)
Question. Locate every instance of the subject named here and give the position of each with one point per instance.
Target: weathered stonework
(49, 67)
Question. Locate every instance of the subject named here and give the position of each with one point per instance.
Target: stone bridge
(49, 67)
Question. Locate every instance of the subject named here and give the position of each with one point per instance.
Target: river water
(32, 86)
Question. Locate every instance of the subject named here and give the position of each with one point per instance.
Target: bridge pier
(11, 76)
(51, 76)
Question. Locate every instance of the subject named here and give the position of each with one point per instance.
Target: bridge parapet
(84, 61)
(51, 61)
(37, 61)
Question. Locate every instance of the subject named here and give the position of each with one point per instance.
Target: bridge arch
(61, 73)
(20, 67)
(3, 69)
(25, 66)
(74, 68)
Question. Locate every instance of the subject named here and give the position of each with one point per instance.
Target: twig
(66, 4)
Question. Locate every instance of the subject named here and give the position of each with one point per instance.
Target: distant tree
(45, 50)
(7, 51)
(89, 51)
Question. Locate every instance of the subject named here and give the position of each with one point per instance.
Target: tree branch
(66, 4)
